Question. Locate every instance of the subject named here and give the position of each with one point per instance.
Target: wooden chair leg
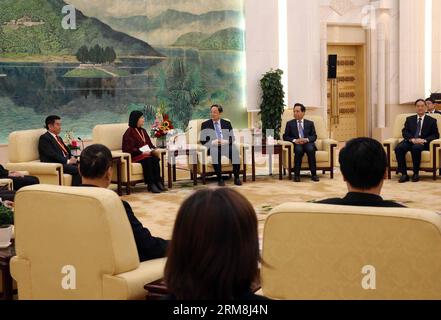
(332, 173)
(128, 188)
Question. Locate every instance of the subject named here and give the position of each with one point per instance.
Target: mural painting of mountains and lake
(121, 56)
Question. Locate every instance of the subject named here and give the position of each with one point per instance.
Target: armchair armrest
(435, 144)
(36, 168)
(7, 182)
(328, 143)
(130, 285)
(392, 142)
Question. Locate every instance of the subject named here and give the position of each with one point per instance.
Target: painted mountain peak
(166, 28)
(33, 27)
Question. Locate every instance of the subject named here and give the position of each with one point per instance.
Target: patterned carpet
(158, 212)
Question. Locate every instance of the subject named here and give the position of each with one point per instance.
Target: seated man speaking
(301, 133)
(53, 150)
(96, 171)
(217, 135)
(363, 165)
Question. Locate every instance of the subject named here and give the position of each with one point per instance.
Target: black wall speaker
(332, 66)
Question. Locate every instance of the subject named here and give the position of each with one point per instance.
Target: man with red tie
(53, 150)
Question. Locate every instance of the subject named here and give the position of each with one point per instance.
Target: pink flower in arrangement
(74, 143)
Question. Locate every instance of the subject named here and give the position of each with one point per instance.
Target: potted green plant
(6, 226)
(272, 106)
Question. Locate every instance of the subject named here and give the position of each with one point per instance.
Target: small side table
(118, 162)
(5, 258)
(270, 150)
(171, 163)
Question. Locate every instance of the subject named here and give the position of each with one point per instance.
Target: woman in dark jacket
(135, 138)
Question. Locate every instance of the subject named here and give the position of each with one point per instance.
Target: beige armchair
(315, 251)
(85, 229)
(111, 135)
(430, 160)
(204, 162)
(326, 147)
(24, 156)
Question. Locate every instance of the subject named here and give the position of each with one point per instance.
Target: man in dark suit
(301, 133)
(363, 164)
(20, 180)
(431, 106)
(53, 150)
(96, 171)
(217, 135)
(418, 132)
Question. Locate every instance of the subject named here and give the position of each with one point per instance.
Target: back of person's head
(214, 251)
(363, 163)
(95, 161)
(50, 120)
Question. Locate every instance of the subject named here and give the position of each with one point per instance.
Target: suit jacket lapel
(296, 130)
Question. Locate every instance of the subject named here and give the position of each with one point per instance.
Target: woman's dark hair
(218, 106)
(134, 117)
(420, 100)
(50, 121)
(302, 107)
(363, 163)
(214, 251)
(95, 160)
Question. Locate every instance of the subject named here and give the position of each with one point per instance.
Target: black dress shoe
(296, 178)
(315, 178)
(415, 177)
(404, 178)
(153, 188)
(161, 186)
(221, 183)
(237, 182)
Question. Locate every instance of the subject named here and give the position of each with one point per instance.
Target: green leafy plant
(272, 106)
(6, 216)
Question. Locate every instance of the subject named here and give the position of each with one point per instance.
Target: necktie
(60, 143)
(300, 127)
(218, 130)
(418, 131)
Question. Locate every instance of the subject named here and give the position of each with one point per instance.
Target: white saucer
(3, 246)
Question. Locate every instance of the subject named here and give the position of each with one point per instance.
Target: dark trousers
(7, 195)
(403, 148)
(73, 171)
(151, 170)
(216, 154)
(20, 182)
(299, 152)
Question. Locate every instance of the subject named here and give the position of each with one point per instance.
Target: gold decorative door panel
(346, 94)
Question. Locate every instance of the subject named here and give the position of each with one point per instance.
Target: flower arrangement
(72, 143)
(162, 125)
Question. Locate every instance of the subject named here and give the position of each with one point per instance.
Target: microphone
(82, 143)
